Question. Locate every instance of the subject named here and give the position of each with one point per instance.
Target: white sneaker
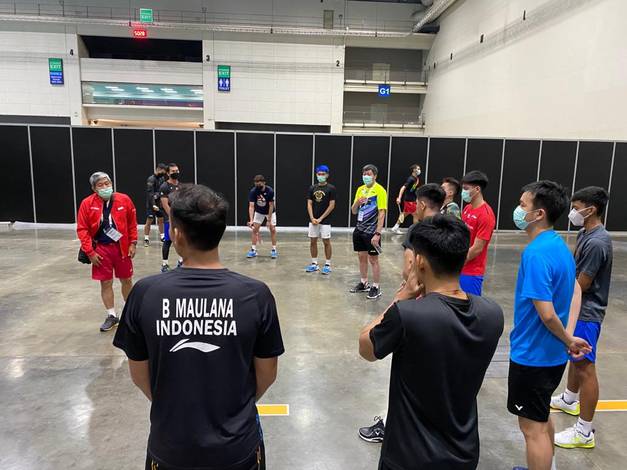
(395, 229)
(558, 403)
(573, 438)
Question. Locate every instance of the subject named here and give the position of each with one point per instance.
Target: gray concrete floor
(66, 400)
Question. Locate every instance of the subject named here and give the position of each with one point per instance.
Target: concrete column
(209, 84)
(72, 72)
(337, 90)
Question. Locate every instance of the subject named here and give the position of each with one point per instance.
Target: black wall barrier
(63, 158)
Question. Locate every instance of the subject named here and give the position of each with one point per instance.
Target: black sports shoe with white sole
(109, 323)
(360, 287)
(374, 293)
(373, 433)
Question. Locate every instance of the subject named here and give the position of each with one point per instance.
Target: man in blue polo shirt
(542, 337)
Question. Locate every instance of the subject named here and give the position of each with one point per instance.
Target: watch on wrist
(377, 233)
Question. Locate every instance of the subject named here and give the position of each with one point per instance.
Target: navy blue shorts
(590, 331)
(471, 284)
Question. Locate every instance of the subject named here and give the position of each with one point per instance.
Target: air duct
(437, 8)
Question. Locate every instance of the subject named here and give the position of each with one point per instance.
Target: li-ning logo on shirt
(202, 347)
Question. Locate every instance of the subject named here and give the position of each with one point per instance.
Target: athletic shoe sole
(375, 440)
(567, 411)
(589, 445)
(102, 330)
(375, 297)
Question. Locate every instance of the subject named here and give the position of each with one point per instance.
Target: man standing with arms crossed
(370, 205)
(202, 344)
(479, 218)
(320, 204)
(593, 258)
(546, 306)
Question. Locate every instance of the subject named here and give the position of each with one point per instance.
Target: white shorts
(319, 231)
(260, 218)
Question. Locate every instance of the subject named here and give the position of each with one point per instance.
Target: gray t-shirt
(593, 256)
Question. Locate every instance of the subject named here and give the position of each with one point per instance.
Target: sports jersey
(368, 215)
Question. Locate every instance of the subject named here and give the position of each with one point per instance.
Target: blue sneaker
(326, 269)
(312, 268)
(251, 254)
(274, 254)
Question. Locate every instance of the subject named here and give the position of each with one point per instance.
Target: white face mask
(576, 218)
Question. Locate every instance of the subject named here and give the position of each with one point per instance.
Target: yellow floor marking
(273, 410)
(607, 405)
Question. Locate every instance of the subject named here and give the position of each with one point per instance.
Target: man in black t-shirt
(442, 344)
(203, 345)
(320, 204)
(406, 200)
(167, 188)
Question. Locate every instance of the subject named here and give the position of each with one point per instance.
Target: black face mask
(260, 186)
(175, 175)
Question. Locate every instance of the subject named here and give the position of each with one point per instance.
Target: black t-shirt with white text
(164, 191)
(441, 349)
(321, 196)
(200, 330)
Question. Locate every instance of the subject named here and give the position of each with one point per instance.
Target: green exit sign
(145, 15)
(55, 70)
(224, 71)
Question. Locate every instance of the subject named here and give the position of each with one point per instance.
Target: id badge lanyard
(111, 232)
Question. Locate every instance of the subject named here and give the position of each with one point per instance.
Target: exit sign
(224, 71)
(224, 78)
(145, 15)
(140, 33)
(55, 71)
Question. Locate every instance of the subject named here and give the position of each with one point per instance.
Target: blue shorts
(166, 231)
(590, 331)
(471, 284)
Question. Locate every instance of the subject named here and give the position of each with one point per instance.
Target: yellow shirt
(368, 215)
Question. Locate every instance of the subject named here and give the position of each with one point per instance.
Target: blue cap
(322, 168)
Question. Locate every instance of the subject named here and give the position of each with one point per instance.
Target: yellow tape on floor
(607, 405)
(273, 410)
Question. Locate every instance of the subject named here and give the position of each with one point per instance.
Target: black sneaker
(146, 242)
(373, 433)
(165, 268)
(374, 293)
(360, 287)
(110, 322)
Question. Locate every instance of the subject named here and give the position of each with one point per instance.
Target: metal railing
(365, 75)
(368, 117)
(202, 16)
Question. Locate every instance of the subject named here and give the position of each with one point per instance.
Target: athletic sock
(314, 260)
(164, 262)
(274, 247)
(375, 284)
(584, 427)
(111, 311)
(146, 237)
(570, 397)
(253, 247)
(327, 262)
(396, 226)
(553, 464)
(364, 281)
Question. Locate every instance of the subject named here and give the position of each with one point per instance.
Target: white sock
(274, 247)
(396, 226)
(111, 311)
(164, 262)
(146, 237)
(375, 284)
(553, 464)
(181, 260)
(328, 262)
(253, 247)
(570, 397)
(364, 281)
(314, 260)
(585, 427)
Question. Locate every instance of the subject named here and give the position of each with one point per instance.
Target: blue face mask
(105, 193)
(367, 179)
(519, 218)
(466, 196)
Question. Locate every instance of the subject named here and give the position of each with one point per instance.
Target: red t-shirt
(480, 222)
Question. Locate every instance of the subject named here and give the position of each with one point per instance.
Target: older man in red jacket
(107, 229)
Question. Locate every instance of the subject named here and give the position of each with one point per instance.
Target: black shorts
(256, 461)
(530, 389)
(151, 214)
(363, 242)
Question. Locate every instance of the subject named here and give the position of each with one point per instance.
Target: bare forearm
(309, 209)
(575, 308)
(401, 192)
(474, 251)
(380, 221)
(251, 212)
(327, 212)
(166, 206)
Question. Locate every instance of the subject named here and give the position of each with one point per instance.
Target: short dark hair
(200, 213)
(593, 196)
(370, 167)
(444, 240)
(162, 166)
(453, 182)
(172, 165)
(550, 196)
(259, 178)
(415, 166)
(431, 193)
(477, 178)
